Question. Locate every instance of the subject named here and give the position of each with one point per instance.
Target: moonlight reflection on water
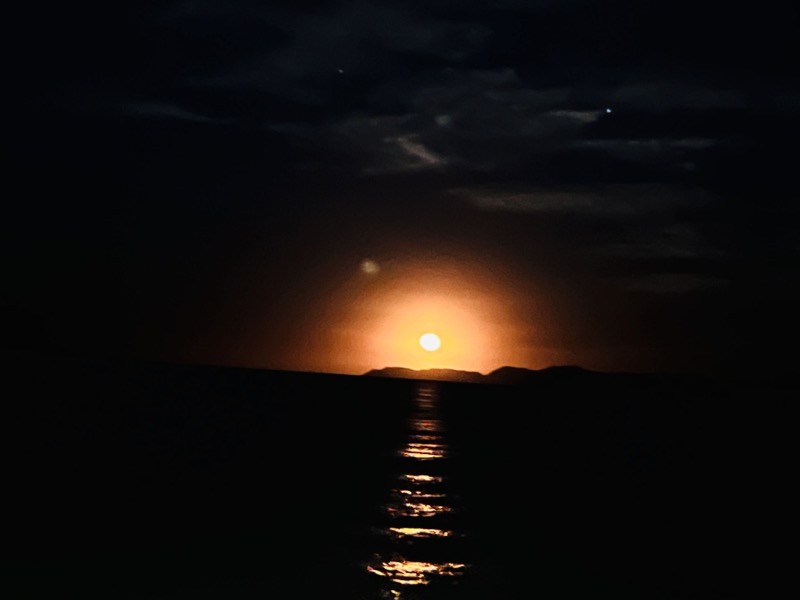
(418, 507)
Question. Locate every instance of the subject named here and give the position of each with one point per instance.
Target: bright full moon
(430, 342)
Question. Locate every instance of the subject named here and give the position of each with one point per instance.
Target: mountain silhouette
(429, 374)
(503, 376)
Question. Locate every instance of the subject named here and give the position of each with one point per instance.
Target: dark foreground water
(167, 482)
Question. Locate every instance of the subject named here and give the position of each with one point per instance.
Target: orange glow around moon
(465, 340)
(468, 312)
(377, 321)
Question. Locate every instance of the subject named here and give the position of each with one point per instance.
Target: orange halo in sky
(469, 310)
(465, 340)
(376, 318)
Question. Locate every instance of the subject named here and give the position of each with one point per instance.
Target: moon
(430, 342)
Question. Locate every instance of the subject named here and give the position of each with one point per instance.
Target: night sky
(312, 186)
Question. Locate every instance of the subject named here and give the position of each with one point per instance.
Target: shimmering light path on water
(413, 542)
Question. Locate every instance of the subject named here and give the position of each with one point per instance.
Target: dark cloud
(596, 201)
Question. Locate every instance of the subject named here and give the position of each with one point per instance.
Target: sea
(154, 481)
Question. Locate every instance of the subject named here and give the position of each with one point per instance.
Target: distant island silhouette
(572, 376)
(502, 376)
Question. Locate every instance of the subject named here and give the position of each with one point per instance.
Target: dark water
(156, 481)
